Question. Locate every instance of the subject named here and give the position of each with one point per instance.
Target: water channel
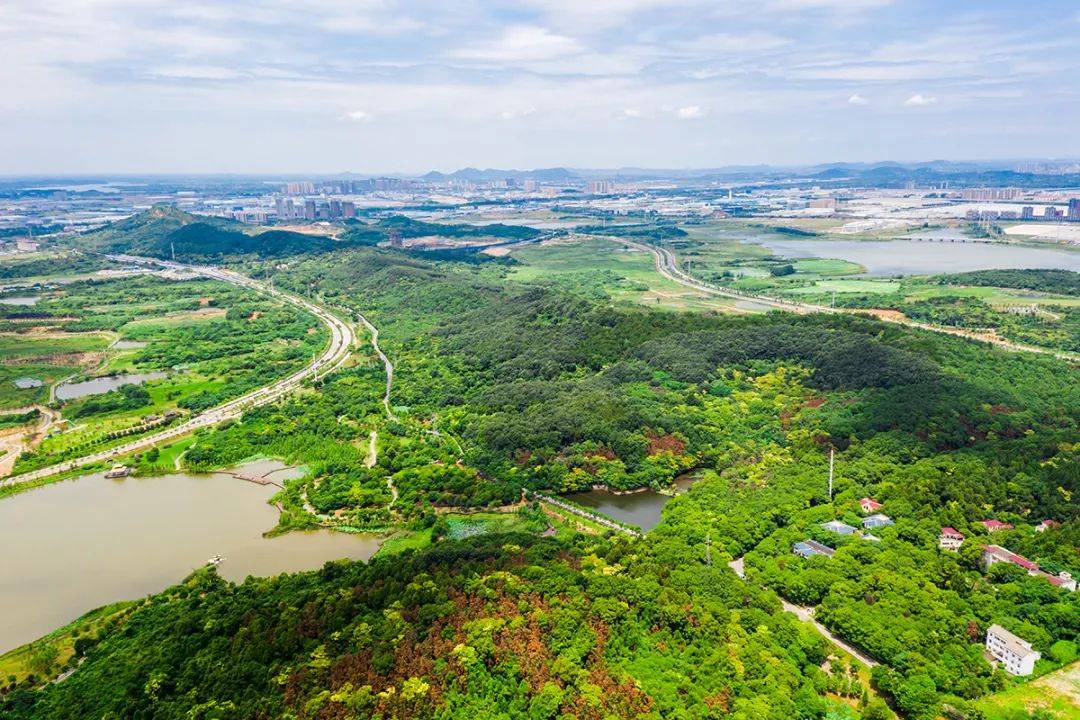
(73, 546)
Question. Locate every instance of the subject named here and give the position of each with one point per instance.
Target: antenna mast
(832, 453)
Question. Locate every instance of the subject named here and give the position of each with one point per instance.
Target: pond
(76, 545)
(26, 383)
(96, 386)
(128, 345)
(637, 508)
(19, 300)
(913, 257)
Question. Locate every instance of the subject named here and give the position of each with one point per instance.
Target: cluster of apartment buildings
(313, 209)
(1027, 213)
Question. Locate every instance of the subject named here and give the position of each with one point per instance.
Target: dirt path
(16, 441)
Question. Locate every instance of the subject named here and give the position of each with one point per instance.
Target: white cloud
(195, 72)
(857, 99)
(631, 113)
(690, 112)
(522, 43)
(515, 114)
(359, 116)
(736, 43)
(920, 100)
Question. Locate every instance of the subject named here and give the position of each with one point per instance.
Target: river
(912, 257)
(73, 546)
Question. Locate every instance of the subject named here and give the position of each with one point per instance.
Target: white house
(950, 539)
(1014, 653)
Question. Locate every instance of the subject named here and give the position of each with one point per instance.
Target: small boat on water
(216, 560)
(118, 471)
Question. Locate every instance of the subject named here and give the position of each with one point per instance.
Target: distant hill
(162, 229)
(471, 174)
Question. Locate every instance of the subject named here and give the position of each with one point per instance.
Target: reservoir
(82, 544)
(637, 508)
(70, 391)
(912, 257)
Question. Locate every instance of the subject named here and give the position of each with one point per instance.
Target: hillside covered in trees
(501, 387)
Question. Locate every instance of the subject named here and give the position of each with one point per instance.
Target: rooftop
(1013, 643)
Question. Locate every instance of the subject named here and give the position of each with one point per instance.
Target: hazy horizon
(112, 87)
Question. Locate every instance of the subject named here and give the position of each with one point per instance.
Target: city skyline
(114, 86)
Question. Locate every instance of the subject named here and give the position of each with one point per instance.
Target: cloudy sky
(381, 86)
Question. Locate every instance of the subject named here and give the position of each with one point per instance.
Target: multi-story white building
(1014, 653)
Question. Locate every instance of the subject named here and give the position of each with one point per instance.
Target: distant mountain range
(878, 173)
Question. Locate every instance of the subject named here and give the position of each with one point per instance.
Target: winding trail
(668, 266)
(337, 351)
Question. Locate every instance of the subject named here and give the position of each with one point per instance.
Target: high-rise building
(335, 208)
(600, 187)
(309, 210)
(1051, 213)
(348, 210)
(1074, 210)
(1027, 212)
(530, 186)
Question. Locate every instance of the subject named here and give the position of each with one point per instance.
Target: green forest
(503, 389)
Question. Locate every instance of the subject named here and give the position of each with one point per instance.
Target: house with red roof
(950, 539)
(993, 554)
(1047, 525)
(870, 505)
(995, 525)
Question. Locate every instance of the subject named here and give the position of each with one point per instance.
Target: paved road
(341, 341)
(667, 265)
(806, 614)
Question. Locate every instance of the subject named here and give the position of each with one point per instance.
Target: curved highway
(667, 266)
(341, 341)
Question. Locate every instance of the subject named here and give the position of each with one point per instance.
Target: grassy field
(608, 266)
(1056, 695)
(28, 346)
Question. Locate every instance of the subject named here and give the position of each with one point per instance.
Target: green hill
(161, 230)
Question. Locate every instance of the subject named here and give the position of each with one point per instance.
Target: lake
(639, 508)
(912, 257)
(70, 391)
(19, 300)
(75, 545)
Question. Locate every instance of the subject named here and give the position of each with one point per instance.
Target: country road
(668, 266)
(806, 614)
(341, 341)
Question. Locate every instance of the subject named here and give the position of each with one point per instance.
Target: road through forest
(668, 266)
(342, 339)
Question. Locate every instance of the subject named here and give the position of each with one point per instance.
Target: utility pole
(832, 453)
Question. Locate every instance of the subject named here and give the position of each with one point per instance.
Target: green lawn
(1056, 694)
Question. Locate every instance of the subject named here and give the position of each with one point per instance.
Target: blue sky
(382, 86)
